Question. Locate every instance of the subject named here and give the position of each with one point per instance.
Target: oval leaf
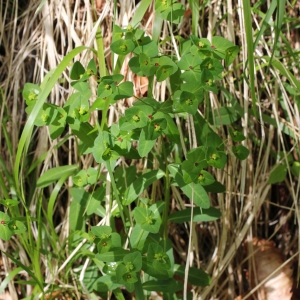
(278, 174)
(140, 184)
(54, 174)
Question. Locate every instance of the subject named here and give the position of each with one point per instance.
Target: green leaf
(101, 232)
(147, 219)
(104, 144)
(135, 67)
(105, 283)
(190, 171)
(161, 5)
(112, 256)
(278, 174)
(147, 48)
(81, 86)
(104, 245)
(136, 117)
(190, 62)
(188, 102)
(124, 276)
(123, 90)
(240, 152)
(122, 47)
(163, 72)
(31, 93)
(140, 184)
(196, 276)
(205, 134)
(58, 125)
(105, 89)
(157, 263)
(5, 231)
(220, 45)
(107, 242)
(138, 237)
(176, 172)
(205, 178)
(166, 286)
(225, 115)
(145, 145)
(94, 204)
(133, 261)
(295, 168)
(87, 135)
(146, 65)
(54, 174)
(175, 13)
(236, 135)
(216, 158)
(46, 115)
(77, 71)
(9, 277)
(9, 202)
(196, 192)
(77, 208)
(17, 227)
(215, 187)
(214, 66)
(231, 54)
(84, 177)
(200, 215)
(92, 67)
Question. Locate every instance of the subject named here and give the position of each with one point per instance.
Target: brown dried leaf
(267, 258)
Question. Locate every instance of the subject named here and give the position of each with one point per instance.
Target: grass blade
(250, 52)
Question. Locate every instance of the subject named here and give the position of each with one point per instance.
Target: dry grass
(33, 43)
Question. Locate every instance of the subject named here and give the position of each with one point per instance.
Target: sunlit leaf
(140, 184)
(54, 174)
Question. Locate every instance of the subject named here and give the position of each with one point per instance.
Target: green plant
(137, 254)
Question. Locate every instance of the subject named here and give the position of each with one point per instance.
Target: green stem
(100, 52)
(118, 294)
(167, 199)
(116, 193)
(138, 289)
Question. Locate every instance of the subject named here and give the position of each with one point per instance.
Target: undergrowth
(150, 153)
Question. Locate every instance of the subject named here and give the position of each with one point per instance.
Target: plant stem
(116, 193)
(167, 199)
(119, 294)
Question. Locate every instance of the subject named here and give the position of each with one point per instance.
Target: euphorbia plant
(138, 255)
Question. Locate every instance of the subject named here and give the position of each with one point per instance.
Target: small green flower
(214, 156)
(149, 220)
(123, 48)
(104, 243)
(160, 257)
(129, 266)
(105, 236)
(201, 178)
(44, 117)
(189, 101)
(135, 118)
(82, 110)
(201, 44)
(209, 82)
(157, 127)
(32, 96)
